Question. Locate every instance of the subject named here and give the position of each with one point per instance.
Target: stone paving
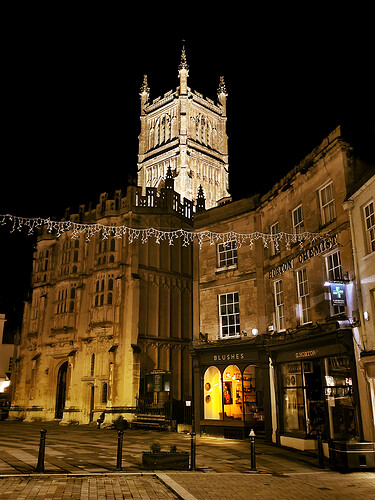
(80, 463)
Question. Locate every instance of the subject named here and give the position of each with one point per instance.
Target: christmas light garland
(143, 234)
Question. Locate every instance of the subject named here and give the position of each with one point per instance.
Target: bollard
(320, 451)
(120, 435)
(42, 445)
(252, 450)
(192, 450)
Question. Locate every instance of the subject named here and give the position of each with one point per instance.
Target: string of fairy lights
(76, 229)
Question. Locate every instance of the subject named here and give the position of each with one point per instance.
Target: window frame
(280, 319)
(333, 275)
(235, 315)
(227, 262)
(300, 226)
(369, 229)
(304, 312)
(323, 206)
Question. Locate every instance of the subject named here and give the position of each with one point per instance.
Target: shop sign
(304, 256)
(307, 354)
(229, 357)
(338, 297)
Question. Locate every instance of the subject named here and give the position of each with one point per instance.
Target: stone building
(106, 313)
(185, 132)
(278, 309)
(360, 207)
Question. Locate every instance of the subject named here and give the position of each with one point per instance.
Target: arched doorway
(61, 390)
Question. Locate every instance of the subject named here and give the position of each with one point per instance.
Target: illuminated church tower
(185, 132)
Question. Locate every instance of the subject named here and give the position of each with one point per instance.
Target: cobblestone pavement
(80, 462)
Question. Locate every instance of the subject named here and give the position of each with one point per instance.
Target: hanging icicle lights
(144, 234)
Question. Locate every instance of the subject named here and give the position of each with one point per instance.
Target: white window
(297, 220)
(279, 305)
(274, 229)
(370, 226)
(227, 254)
(229, 313)
(333, 263)
(303, 296)
(327, 203)
(334, 273)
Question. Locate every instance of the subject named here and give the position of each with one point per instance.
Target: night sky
(71, 102)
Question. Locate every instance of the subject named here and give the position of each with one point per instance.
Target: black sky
(71, 103)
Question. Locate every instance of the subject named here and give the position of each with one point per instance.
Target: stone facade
(273, 299)
(360, 207)
(105, 312)
(185, 132)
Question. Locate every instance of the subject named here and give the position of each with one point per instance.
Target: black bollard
(192, 450)
(120, 435)
(42, 445)
(320, 451)
(252, 451)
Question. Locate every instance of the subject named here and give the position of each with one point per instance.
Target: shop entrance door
(61, 390)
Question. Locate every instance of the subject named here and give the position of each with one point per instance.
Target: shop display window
(339, 397)
(318, 393)
(303, 397)
(212, 394)
(233, 396)
(232, 393)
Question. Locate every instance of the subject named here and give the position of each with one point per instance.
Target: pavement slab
(80, 462)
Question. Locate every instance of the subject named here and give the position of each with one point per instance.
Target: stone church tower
(185, 132)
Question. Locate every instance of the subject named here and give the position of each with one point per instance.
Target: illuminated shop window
(339, 398)
(232, 393)
(252, 395)
(212, 395)
(306, 408)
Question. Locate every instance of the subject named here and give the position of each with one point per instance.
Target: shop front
(231, 385)
(316, 390)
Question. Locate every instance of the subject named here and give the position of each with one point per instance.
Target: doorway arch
(61, 390)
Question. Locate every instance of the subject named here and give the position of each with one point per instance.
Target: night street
(80, 462)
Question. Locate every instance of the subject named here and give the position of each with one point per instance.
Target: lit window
(227, 254)
(213, 401)
(303, 296)
(279, 305)
(327, 203)
(370, 226)
(297, 220)
(229, 311)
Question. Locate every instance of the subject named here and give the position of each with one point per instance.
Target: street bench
(150, 421)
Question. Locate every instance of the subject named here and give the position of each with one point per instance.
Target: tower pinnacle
(183, 72)
(144, 93)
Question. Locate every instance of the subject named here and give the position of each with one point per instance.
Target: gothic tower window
(92, 365)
